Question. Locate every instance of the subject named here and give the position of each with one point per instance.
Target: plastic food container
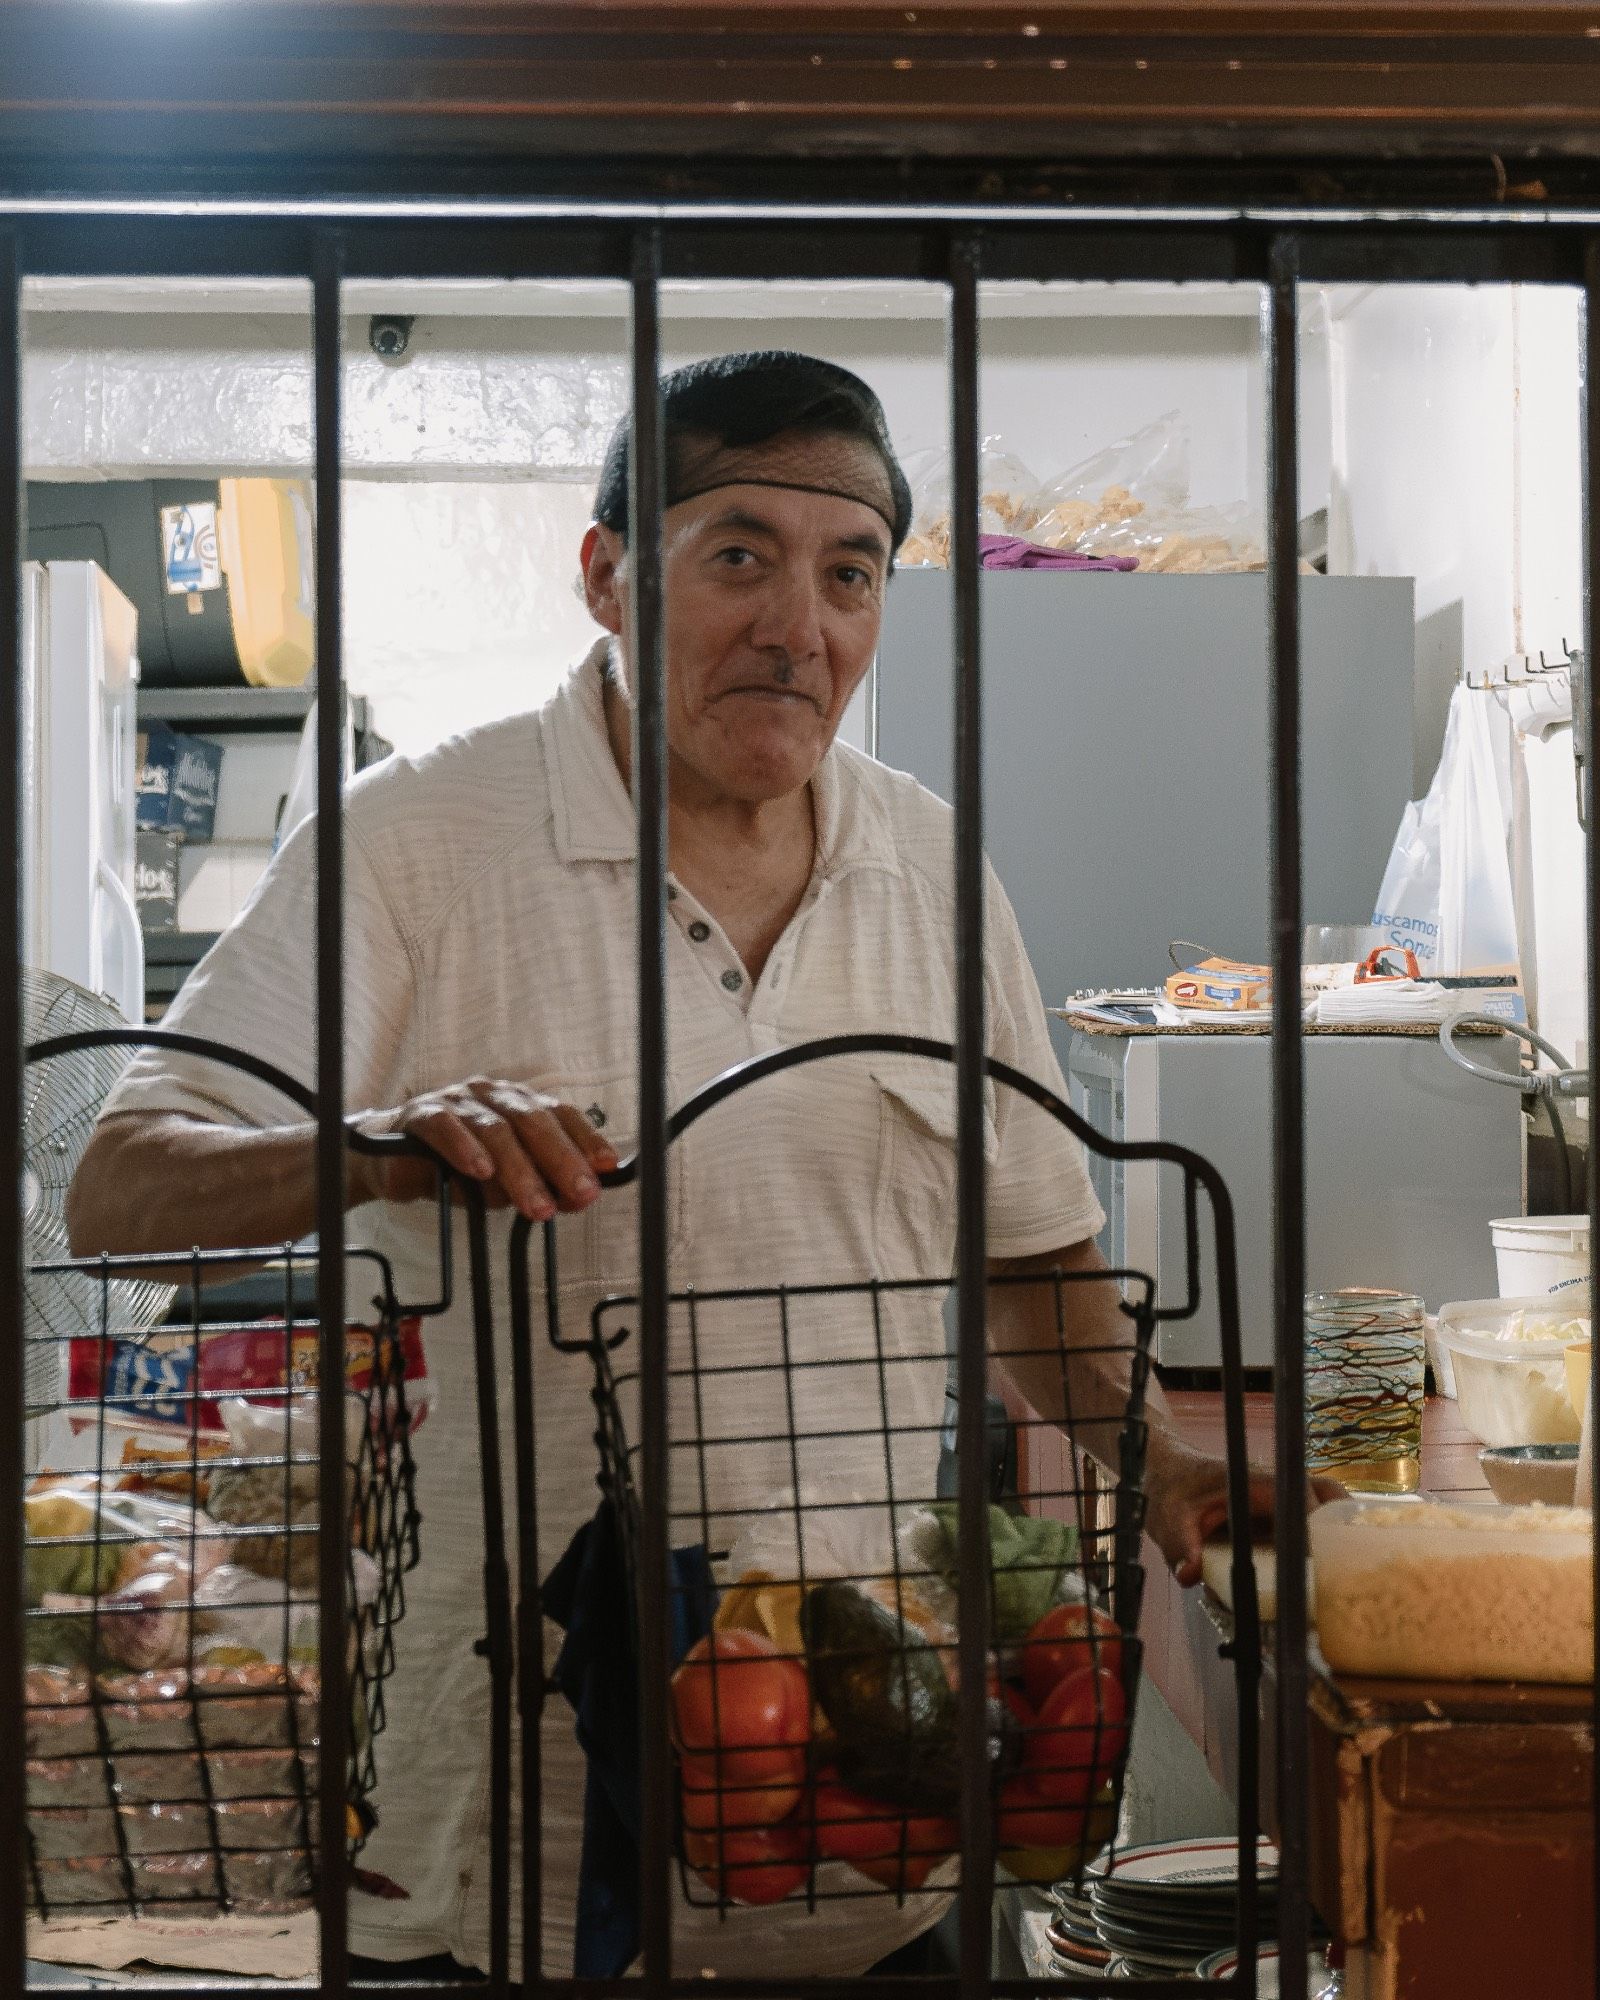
(1508, 1357)
(1415, 1590)
(1540, 1253)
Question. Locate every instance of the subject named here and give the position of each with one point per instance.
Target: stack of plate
(1166, 1907)
(1321, 1984)
(1075, 1940)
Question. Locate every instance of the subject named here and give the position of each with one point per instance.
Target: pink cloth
(1012, 552)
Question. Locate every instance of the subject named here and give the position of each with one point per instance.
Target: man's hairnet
(771, 418)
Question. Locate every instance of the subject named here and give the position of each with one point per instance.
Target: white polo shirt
(490, 931)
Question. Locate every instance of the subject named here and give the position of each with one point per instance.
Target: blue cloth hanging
(588, 1595)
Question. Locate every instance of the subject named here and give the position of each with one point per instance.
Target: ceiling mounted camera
(389, 335)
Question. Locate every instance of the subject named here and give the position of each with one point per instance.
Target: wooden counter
(1452, 1835)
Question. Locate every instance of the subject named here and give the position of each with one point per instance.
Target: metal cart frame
(806, 230)
(647, 1522)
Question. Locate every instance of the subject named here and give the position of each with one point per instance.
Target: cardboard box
(177, 783)
(1222, 986)
(155, 878)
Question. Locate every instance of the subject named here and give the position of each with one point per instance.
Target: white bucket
(1540, 1253)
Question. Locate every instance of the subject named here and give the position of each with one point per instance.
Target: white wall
(460, 604)
(1053, 389)
(459, 594)
(473, 459)
(1455, 459)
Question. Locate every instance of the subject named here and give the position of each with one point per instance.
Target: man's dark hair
(716, 413)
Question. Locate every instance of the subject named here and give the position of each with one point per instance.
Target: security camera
(389, 335)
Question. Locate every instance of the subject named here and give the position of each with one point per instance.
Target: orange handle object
(1367, 972)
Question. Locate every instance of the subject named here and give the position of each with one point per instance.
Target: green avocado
(889, 1702)
(885, 1694)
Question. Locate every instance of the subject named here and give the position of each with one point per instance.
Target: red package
(153, 1381)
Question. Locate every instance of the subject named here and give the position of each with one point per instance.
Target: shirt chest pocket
(598, 1251)
(915, 1206)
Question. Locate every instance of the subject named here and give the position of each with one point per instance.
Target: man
(491, 1012)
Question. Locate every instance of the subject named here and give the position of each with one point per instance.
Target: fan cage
(62, 1098)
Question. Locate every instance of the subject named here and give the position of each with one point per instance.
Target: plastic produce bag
(1130, 500)
(1146, 472)
(1006, 504)
(1446, 893)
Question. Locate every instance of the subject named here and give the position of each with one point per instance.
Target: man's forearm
(1074, 1362)
(164, 1181)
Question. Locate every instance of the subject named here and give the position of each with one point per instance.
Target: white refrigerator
(81, 677)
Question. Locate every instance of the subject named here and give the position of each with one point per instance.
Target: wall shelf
(234, 710)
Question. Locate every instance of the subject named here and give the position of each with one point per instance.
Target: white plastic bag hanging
(1447, 890)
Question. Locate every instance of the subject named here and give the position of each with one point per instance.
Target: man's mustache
(781, 671)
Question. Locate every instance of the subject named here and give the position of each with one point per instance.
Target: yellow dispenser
(264, 543)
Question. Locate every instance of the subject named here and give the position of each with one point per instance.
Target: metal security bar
(1589, 416)
(334, 1732)
(1280, 350)
(642, 244)
(13, 1775)
(646, 474)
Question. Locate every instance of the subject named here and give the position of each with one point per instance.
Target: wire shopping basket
(815, 1580)
(173, 1517)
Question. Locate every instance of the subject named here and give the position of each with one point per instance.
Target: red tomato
(882, 1842)
(1080, 1734)
(752, 1864)
(742, 1797)
(1027, 1821)
(1060, 1644)
(739, 1695)
(897, 1874)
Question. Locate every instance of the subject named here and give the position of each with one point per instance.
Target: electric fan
(61, 1100)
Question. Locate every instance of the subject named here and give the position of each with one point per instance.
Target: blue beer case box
(177, 786)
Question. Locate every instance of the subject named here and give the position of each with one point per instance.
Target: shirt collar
(594, 817)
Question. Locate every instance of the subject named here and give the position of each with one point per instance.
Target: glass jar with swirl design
(1364, 1373)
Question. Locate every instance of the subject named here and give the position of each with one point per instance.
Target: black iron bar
(645, 606)
(972, 1362)
(1553, 251)
(530, 1600)
(498, 1644)
(1281, 337)
(13, 1837)
(468, 237)
(1247, 1663)
(334, 1707)
(1590, 391)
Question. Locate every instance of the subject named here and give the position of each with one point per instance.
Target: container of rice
(1418, 1590)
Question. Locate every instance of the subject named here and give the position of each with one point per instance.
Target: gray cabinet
(1408, 1161)
(1126, 753)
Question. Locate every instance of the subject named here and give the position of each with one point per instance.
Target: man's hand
(528, 1151)
(1188, 1501)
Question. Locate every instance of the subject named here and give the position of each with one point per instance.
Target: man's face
(774, 597)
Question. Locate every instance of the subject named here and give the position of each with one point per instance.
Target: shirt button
(732, 980)
(699, 931)
(596, 1115)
